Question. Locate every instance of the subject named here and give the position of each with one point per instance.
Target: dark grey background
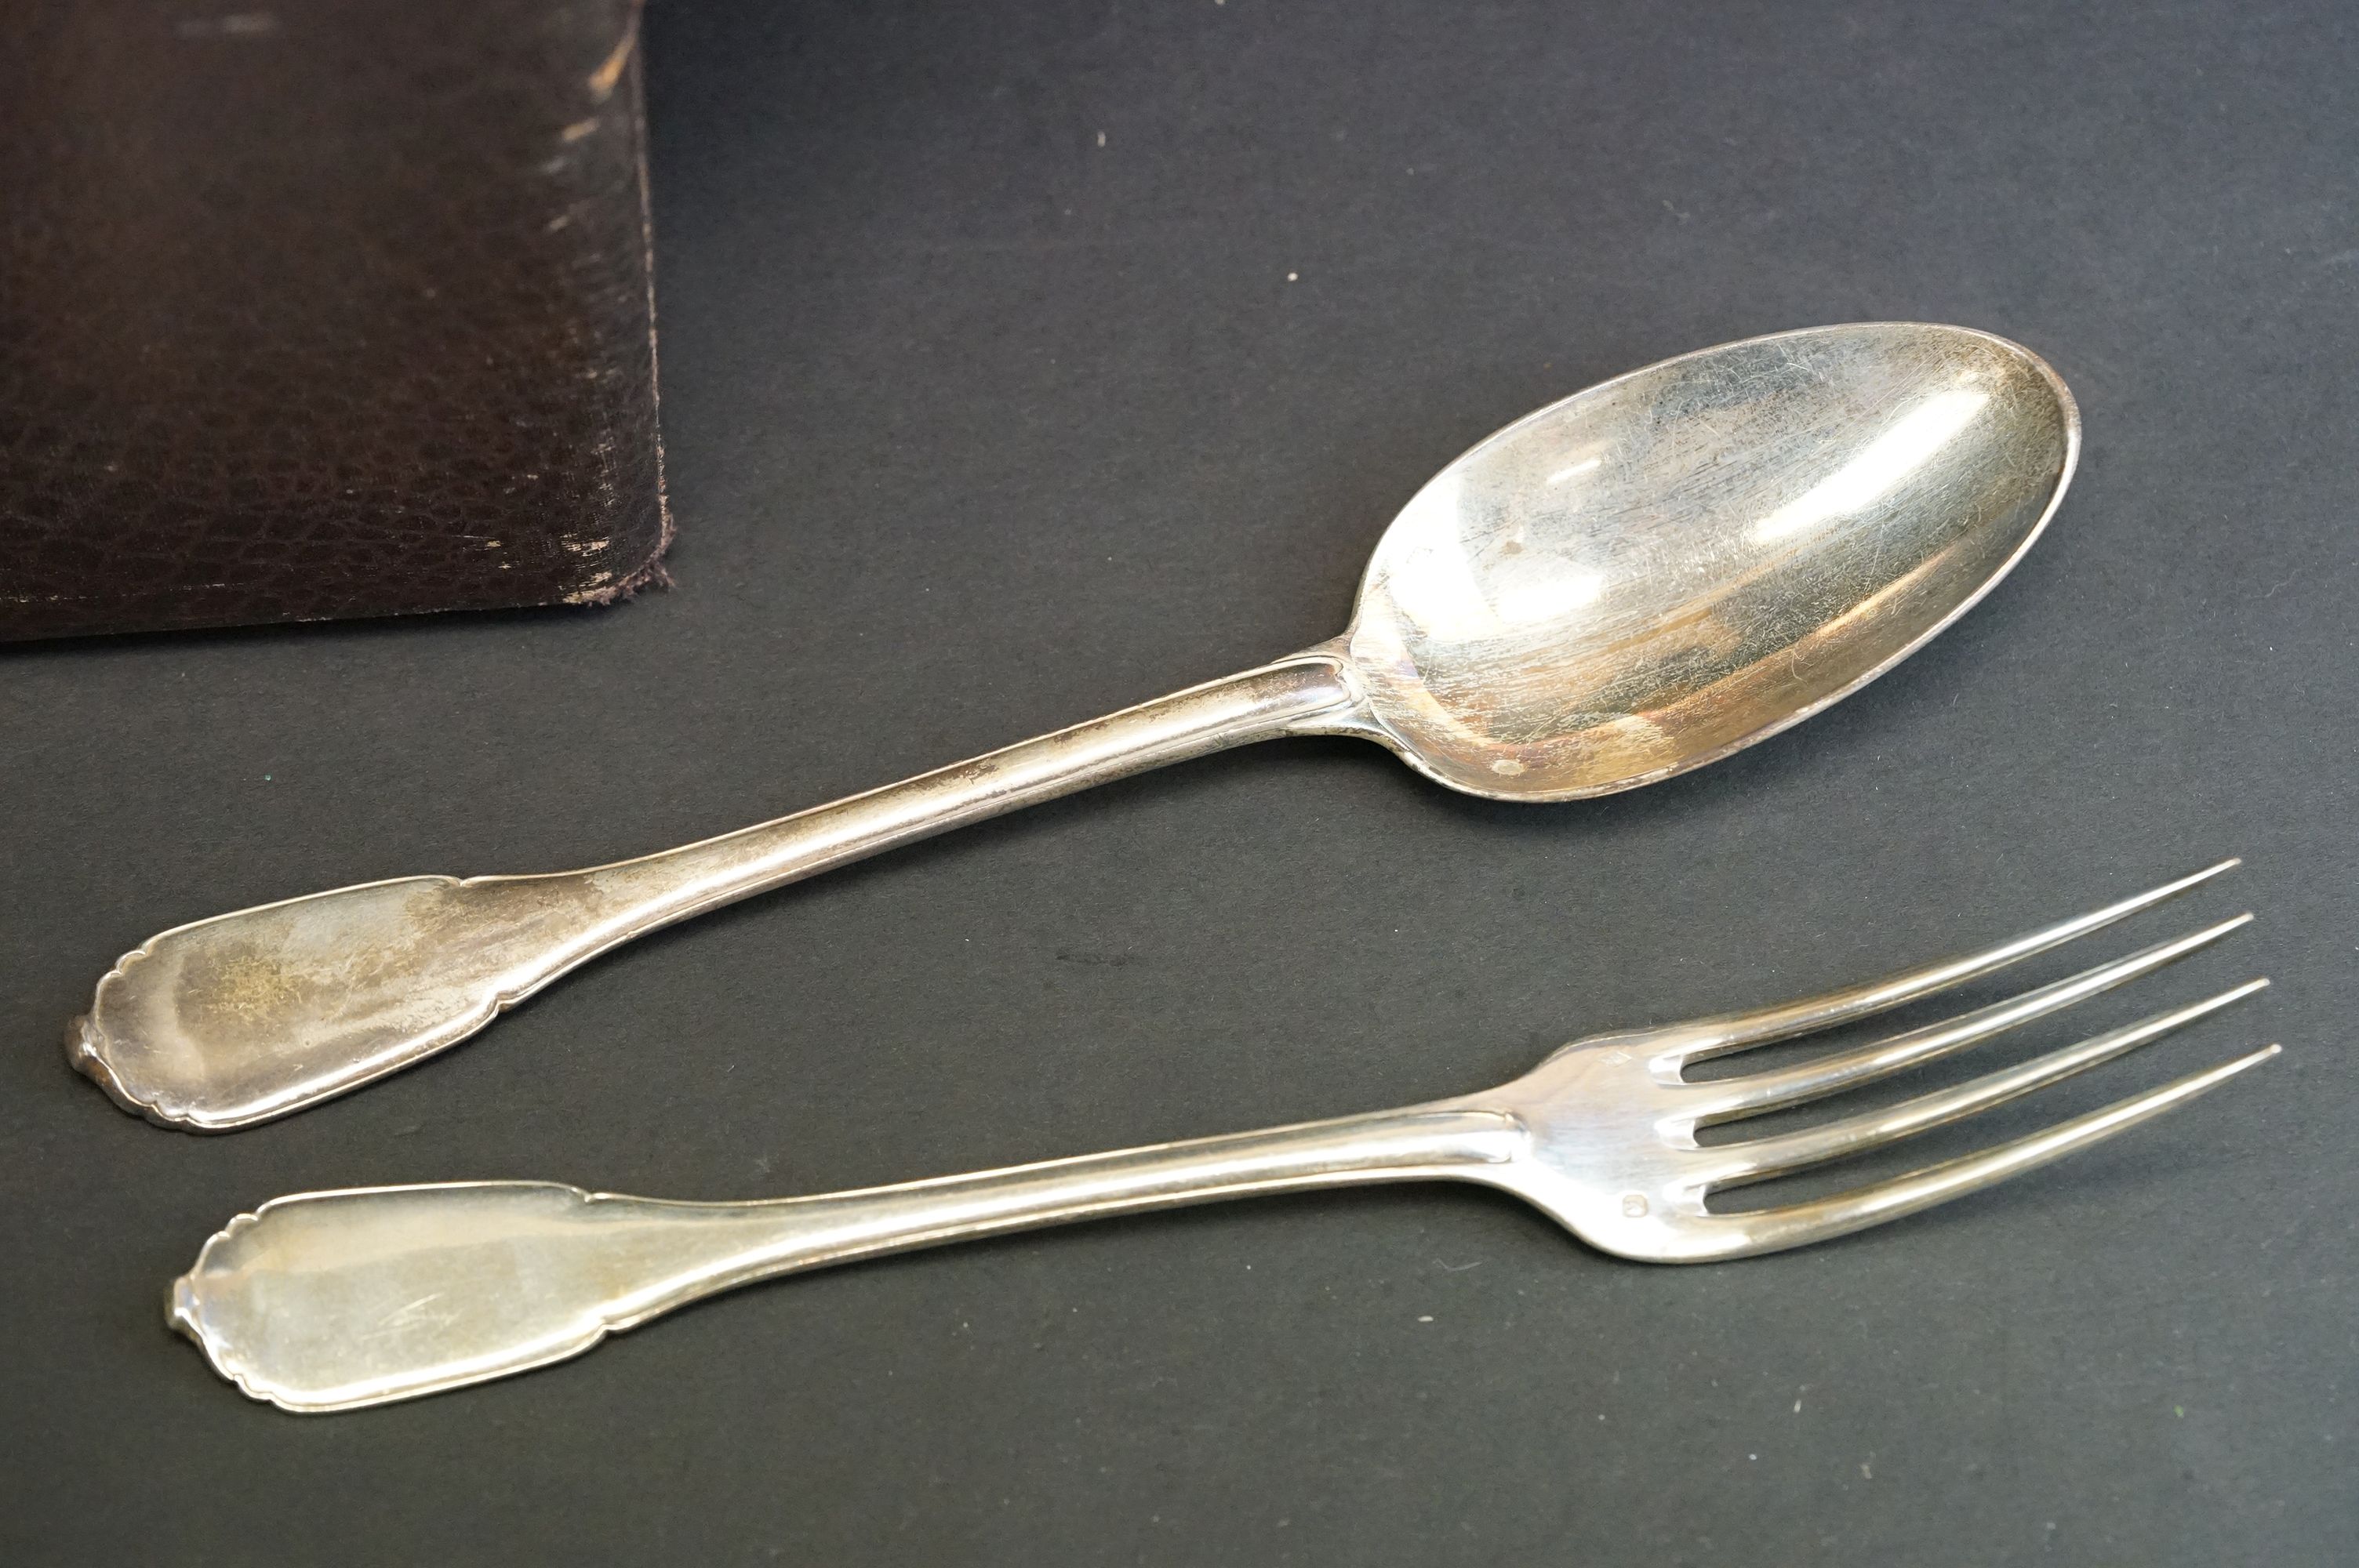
(976, 427)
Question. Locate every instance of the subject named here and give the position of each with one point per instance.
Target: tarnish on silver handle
(250, 1015)
(330, 1301)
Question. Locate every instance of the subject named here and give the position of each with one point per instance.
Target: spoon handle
(1285, 697)
(330, 1301)
(250, 1015)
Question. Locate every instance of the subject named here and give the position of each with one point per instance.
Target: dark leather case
(313, 308)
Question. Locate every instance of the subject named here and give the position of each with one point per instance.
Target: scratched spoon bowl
(1632, 582)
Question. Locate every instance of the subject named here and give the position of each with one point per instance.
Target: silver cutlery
(332, 1301)
(1629, 583)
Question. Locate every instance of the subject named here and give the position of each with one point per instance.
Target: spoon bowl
(1663, 568)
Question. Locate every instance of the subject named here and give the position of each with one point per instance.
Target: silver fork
(332, 1301)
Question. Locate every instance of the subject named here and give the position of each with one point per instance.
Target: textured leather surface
(334, 309)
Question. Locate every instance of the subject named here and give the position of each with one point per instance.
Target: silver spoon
(1635, 581)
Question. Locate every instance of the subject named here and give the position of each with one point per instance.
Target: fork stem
(734, 1244)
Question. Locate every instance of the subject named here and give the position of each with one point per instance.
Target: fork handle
(328, 1301)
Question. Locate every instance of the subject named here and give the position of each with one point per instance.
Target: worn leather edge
(651, 572)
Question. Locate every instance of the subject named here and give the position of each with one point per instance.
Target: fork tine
(1708, 1037)
(1765, 1157)
(1774, 1090)
(1773, 1230)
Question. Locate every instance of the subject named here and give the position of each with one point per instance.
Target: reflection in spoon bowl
(1656, 571)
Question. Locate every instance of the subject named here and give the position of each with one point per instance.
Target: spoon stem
(1290, 696)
